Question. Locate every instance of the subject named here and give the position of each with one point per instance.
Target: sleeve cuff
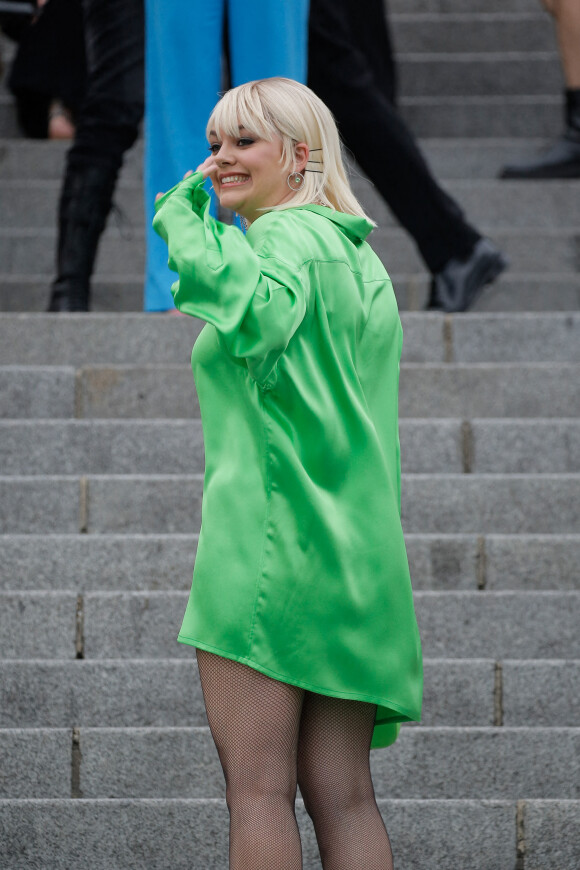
(183, 188)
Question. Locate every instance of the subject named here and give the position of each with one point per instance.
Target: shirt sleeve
(256, 302)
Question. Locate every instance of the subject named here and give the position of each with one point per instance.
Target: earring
(295, 181)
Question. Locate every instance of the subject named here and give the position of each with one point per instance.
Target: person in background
(350, 66)
(48, 73)
(186, 43)
(562, 160)
(107, 126)
(301, 608)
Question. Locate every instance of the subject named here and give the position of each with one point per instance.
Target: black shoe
(562, 160)
(66, 296)
(460, 283)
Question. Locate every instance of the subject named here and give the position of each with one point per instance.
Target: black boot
(84, 205)
(562, 160)
(457, 286)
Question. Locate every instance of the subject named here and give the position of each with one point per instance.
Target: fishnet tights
(269, 736)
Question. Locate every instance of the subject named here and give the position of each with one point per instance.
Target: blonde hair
(291, 111)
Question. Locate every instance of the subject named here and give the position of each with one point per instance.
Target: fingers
(208, 166)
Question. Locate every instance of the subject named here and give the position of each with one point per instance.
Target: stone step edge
(416, 727)
(122, 422)
(186, 478)
(57, 832)
(187, 663)
(468, 17)
(444, 365)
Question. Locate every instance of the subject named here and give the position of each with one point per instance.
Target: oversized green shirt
(301, 570)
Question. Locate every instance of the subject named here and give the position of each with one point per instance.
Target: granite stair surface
(106, 761)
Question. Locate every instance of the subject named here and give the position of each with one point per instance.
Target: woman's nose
(224, 156)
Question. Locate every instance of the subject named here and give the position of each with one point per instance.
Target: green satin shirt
(301, 570)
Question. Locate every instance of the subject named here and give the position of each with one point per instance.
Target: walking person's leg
(107, 126)
(562, 160)
(255, 721)
(335, 781)
(341, 72)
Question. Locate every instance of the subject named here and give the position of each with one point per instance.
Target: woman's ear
(301, 155)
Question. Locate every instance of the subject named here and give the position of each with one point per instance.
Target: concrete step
(33, 203)
(482, 763)
(116, 563)
(487, 202)
(22, 159)
(9, 128)
(455, 7)
(513, 292)
(459, 625)
(501, 203)
(192, 834)
(31, 293)
(79, 340)
(25, 159)
(483, 73)
(484, 116)
(431, 390)
(506, 116)
(529, 251)
(132, 693)
(161, 446)
(165, 504)
(465, 31)
(487, 390)
(457, 691)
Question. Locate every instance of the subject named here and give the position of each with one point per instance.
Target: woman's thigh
(254, 721)
(334, 749)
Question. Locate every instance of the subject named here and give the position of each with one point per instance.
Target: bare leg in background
(567, 17)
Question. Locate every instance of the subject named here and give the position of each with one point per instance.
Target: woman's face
(248, 175)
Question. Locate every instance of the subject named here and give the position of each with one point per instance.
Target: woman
(301, 607)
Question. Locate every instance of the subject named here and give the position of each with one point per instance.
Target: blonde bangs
(241, 107)
(285, 109)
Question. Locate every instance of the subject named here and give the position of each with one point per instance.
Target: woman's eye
(214, 147)
(245, 140)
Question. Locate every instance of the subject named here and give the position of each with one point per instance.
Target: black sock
(573, 108)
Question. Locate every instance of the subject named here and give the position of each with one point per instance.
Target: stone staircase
(105, 758)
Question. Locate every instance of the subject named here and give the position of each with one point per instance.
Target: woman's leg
(335, 781)
(254, 721)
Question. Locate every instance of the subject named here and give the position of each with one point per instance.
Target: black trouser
(107, 126)
(350, 67)
(113, 106)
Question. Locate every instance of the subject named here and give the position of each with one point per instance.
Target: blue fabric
(183, 73)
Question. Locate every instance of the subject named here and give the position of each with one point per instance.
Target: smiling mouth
(233, 180)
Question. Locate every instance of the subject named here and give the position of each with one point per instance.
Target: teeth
(234, 179)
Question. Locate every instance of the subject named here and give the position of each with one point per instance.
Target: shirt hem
(406, 715)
